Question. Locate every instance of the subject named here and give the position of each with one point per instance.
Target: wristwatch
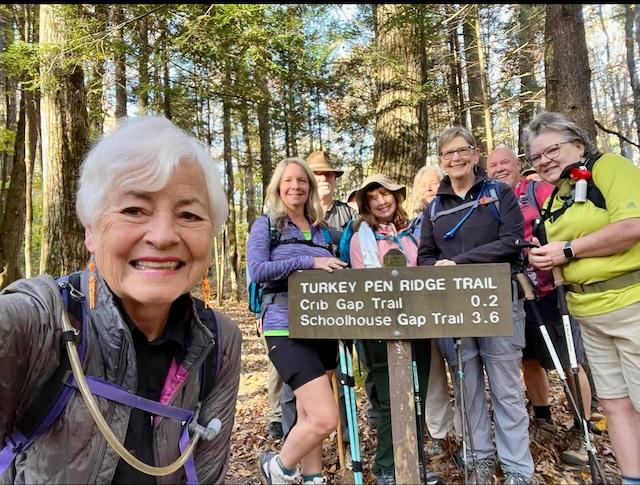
(569, 253)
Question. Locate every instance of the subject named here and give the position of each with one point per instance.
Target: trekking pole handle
(525, 284)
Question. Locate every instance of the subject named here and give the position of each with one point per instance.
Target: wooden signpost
(397, 303)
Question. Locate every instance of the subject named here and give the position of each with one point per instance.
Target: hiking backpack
(53, 395)
(256, 291)
(487, 196)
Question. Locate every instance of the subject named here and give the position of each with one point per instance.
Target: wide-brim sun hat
(379, 180)
(352, 194)
(319, 161)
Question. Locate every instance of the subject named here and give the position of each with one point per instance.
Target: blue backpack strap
(433, 208)
(345, 242)
(491, 187)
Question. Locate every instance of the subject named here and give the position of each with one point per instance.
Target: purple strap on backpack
(16, 442)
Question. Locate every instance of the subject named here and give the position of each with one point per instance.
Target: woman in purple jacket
(288, 238)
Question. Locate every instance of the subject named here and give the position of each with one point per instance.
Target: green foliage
(7, 141)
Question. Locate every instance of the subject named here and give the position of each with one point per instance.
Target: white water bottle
(581, 189)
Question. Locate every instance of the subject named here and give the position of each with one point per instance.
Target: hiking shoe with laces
(315, 481)
(575, 454)
(436, 449)
(542, 431)
(515, 479)
(483, 472)
(386, 478)
(271, 472)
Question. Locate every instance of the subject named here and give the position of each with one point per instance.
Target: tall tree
(476, 80)
(631, 13)
(526, 60)
(120, 61)
(399, 138)
(13, 215)
(571, 82)
(65, 127)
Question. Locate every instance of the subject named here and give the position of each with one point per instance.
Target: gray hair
(416, 202)
(273, 203)
(450, 133)
(143, 154)
(548, 121)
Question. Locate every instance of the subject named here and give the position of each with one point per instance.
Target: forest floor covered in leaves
(250, 429)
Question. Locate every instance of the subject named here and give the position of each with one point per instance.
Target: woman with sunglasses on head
(474, 219)
(592, 225)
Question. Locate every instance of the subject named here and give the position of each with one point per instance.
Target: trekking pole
(419, 415)
(346, 369)
(597, 474)
(464, 416)
(334, 385)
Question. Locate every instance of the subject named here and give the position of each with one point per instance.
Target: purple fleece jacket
(270, 265)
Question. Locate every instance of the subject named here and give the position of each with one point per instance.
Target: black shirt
(153, 360)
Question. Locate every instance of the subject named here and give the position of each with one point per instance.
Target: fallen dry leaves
(250, 432)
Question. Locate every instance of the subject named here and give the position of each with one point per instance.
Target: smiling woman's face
(457, 165)
(152, 247)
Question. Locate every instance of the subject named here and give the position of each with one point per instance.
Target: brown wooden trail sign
(397, 303)
(470, 300)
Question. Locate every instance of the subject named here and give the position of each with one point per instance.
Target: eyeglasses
(550, 153)
(462, 152)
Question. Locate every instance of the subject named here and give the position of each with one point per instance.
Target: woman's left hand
(548, 256)
(328, 264)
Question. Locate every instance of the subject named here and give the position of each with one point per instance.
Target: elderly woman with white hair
(150, 201)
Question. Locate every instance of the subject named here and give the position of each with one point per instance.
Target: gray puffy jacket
(73, 450)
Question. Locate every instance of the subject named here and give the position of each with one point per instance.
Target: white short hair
(142, 154)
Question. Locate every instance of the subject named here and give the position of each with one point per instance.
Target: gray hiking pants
(500, 358)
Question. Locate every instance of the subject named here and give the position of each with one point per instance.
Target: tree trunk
(615, 93)
(250, 191)
(571, 66)
(478, 99)
(456, 97)
(264, 131)
(31, 146)
(120, 61)
(231, 242)
(630, 14)
(12, 230)
(143, 66)
(399, 138)
(64, 142)
(526, 59)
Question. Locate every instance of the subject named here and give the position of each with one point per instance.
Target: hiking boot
(483, 472)
(436, 449)
(515, 479)
(275, 429)
(432, 478)
(315, 481)
(386, 478)
(271, 471)
(575, 453)
(542, 431)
